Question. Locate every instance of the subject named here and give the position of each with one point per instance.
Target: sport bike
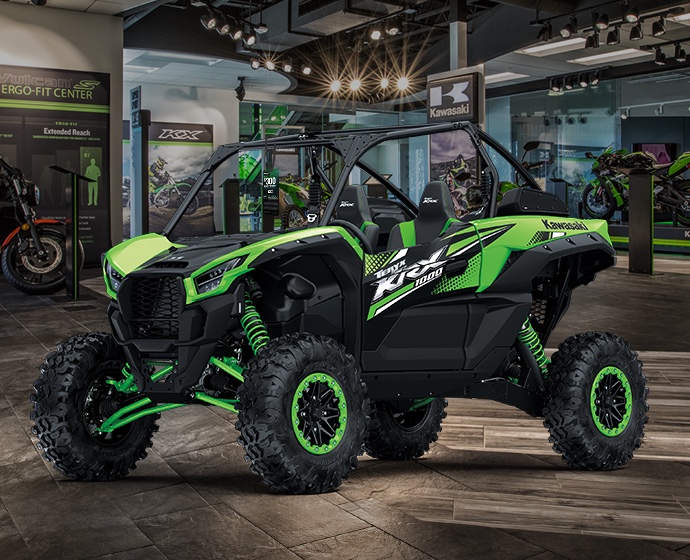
(33, 254)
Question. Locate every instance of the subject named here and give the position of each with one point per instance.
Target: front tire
(683, 213)
(599, 204)
(595, 405)
(71, 400)
(302, 414)
(293, 216)
(401, 436)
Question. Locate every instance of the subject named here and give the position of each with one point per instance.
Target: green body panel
(680, 165)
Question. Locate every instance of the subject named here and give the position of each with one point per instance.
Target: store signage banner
(453, 99)
(61, 117)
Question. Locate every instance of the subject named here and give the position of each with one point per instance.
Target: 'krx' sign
(453, 99)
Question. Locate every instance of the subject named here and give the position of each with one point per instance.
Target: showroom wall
(43, 37)
(670, 130)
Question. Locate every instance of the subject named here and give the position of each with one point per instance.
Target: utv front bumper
(152, 322)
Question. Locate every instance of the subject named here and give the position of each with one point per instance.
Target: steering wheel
(356, 232)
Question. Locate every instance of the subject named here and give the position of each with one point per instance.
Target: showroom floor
(490, 488)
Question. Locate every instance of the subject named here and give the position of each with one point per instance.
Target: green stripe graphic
(53, 106)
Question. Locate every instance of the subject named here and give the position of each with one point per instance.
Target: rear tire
(401, 436)
(595, 405)
(302, 414)
(68, 404)
(293, 216)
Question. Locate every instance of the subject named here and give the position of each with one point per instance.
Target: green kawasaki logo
(565, 225)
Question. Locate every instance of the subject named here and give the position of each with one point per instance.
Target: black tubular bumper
(190, 342)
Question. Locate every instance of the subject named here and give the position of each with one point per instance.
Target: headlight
(209, 281)
(114, 277)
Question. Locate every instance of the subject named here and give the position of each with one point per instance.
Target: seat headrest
(436, 203)
(353, 206)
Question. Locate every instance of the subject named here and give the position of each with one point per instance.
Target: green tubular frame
(529, 337)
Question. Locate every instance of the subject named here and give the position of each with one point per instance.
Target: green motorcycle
(608, 192)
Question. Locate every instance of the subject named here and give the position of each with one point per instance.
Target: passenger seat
(354, 208)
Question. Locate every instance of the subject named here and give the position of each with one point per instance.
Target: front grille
(155, 307)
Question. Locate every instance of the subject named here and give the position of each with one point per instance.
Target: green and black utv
(347, 335)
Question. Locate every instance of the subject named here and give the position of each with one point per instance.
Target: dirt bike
(609, 191)
(33, 254)
(168, 193)
(296, 199)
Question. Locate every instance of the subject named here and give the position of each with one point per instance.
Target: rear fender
(37, 222)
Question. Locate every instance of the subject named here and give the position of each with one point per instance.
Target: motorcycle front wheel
(32, 276)
(683, 212)
(598, 202)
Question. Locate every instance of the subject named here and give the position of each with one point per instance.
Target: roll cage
(351, 145)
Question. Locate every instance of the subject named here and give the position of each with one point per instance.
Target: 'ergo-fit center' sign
(453, 99)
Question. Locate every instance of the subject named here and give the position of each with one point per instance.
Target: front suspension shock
(529, 337)
(253, 326)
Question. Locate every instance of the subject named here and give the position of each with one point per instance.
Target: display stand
(72, 240)
(641, 216)
(231, 206)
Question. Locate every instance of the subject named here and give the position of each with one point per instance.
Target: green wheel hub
(611, 401)
(319, 413)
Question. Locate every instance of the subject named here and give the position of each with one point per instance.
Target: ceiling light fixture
(582, 119)
(558, 120)
(287, 66)
(625, 113)
(609, 57)
(236, 31)
(554, 48)
(660, 110)
(632, 15)
(255, 64)
(601, 22)
(659, 57)
(306, 69)
(636, 32)
(555, 85)
(679, 53)
(547, 122)
(614, 36)
(239, 90)
(384, 83)
(569, 82)
(584, 80)
(223, 27)
(209, 20)
(355, 84)
(270, 64)
(544, 35)
(659, 27)
(335, 86)
(250, 38)
(570, 120)
(569, 29)
(39, 2)
(375, 34)
(592, 41)
(393, 27)
(403, 83)
(594, 79)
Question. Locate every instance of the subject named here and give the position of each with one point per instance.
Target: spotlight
(385, 82)
(270, 65)
(632, 15)
(239, 90)
(660, 111)
(584, 80)
(601, 22)
(636, 32)
(335, 86)
(375, 34)
(658, 27)
(544, 34)
(223, 27)
(582, 119)
(306, 69)
(403, 83)
(547, 122)
(287, 66)
(570, 120)
(569, 83)
(209, 20)
(625, 113)
(262, 28)
(592, 41)
(660, 57)
(558, 120)
(555, 85)
(594, 79)
(39, 2)
(679, 54)
(236, 32)
(614, 36)
(355, 84)
(569, 29)
(251, 38)
(255, 64)
(393, 27)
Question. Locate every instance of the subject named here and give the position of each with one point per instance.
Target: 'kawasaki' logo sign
(453, 98)
(565, 225)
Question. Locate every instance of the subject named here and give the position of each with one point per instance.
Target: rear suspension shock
(253, 326)
(530, 339)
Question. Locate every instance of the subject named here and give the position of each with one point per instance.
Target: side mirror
(533, 145)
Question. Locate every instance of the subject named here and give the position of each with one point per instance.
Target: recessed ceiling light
(554, 48)
(503, 77)
(609, 57)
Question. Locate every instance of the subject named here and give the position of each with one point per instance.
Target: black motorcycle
(33, 254)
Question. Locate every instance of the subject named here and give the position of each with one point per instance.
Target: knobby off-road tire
(591, 375)
(293, 216)
(67, 406)
(302, 414)
(400, 436)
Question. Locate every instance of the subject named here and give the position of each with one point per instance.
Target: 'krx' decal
(421, 272)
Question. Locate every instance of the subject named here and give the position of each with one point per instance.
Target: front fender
(37, 222)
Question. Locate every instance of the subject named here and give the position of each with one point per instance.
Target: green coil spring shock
(251, 322)
(530, 338)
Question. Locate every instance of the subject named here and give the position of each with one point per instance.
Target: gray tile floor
(490, 488)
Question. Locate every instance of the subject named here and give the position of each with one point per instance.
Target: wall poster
(177, 154)
(61, 117)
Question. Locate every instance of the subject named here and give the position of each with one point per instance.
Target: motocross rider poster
(453, 160)
(177, 154)
(61, 117)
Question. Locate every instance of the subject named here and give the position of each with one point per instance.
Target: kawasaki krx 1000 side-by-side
(348, 334)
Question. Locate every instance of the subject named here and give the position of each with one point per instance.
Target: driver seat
(435, 216)
(354, 208)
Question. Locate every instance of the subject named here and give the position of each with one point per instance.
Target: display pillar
(458, 35)
(641, 223)
(231, 206)
(72, 227)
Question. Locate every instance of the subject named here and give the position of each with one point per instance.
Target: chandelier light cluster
(601, 22)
